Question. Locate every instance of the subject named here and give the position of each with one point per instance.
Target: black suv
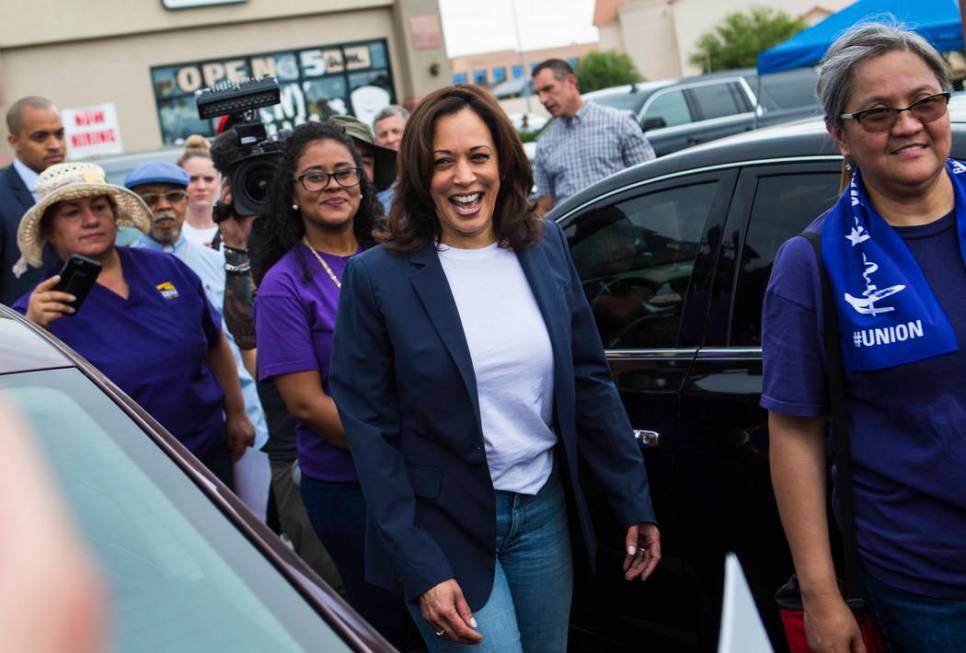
(675, 255)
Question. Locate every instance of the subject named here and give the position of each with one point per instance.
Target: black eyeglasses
(171, 197)
(882, 119)
(316, 180)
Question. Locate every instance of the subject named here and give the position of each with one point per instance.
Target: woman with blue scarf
(893, 249)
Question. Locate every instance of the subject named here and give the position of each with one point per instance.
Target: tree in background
(737, 40)
(605, 68)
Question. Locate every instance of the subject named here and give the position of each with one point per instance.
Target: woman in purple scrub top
(321, 212)
(146, 323)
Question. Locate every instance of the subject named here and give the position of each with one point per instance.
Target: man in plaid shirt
(585, 143)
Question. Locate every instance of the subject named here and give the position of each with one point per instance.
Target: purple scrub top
(294, 322)
(154, 344)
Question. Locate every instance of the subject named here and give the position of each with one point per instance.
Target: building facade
(492, 68)
(661, 35)
(145, 60)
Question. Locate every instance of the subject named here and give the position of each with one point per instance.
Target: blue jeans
(529, 606)
(913, 623)
(337, 511)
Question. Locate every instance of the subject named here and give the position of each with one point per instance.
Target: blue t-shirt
(154, 344)
(907, 424)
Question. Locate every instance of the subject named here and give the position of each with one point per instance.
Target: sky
(473, 26)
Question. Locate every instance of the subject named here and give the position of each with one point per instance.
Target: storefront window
(353, 78)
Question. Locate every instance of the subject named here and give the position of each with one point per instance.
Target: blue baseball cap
(157, 172)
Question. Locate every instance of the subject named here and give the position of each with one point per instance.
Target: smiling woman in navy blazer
(471, 381)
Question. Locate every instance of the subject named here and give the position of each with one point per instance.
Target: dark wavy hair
(412, 222)
(279, 227)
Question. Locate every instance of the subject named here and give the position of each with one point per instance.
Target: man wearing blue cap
(163, 187)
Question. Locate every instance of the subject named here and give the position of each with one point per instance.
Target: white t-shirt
(198, 236)
(513, 362)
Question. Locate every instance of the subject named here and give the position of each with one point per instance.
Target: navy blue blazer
(403, 381)
(15, 199)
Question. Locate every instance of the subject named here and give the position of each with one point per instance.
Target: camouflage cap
(384, 159)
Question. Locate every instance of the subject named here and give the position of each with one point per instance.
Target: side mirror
(653, 123)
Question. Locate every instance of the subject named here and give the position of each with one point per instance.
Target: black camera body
(251, 176)
(251, 171)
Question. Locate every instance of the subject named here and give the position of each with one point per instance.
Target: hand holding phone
(77, 277)
(62, 294)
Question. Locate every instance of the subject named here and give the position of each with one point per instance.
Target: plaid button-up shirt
(596, 142)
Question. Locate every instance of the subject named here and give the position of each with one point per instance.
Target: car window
(181, 577)
(670, 106)
(791, 89)
(784, 205)
(624, 101)
(715, 100)
(740, 97)
(635, 259)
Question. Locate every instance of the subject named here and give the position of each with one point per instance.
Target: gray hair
(389, 112)
(861, 43)
(557, 67)
(15, 112)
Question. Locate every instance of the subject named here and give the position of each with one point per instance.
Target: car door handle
(647, 439)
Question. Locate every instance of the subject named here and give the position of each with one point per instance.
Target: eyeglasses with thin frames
(880, 119)
(171, 197)
(316, 180)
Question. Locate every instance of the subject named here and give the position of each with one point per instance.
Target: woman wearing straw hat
(145, 324)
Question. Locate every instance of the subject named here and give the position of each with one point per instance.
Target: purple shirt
(154, 344)
(907, 424)
(294, 321)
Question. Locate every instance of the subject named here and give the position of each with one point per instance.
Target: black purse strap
(835, 374)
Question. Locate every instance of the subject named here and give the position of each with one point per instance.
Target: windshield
(181, 577)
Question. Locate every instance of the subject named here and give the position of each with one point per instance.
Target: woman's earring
(848, 165)
(295, 207)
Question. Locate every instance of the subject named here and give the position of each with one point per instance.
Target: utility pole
(516, 29)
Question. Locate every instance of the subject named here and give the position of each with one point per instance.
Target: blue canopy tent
(937, 20)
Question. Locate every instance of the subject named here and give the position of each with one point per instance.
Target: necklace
(322, 262)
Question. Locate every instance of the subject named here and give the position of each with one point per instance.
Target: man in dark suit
(36, 135)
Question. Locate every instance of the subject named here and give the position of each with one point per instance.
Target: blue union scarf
(888, 314)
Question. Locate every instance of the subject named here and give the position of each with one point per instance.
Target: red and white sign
(92, 131)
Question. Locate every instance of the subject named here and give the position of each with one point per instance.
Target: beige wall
(418, 70)
(649, 32)
(67, 65)
(610, 37)
(118, 69)
(33, 22)
(660, 35)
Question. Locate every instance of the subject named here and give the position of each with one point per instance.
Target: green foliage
(605, 68)
(737, 40)
(528, 136)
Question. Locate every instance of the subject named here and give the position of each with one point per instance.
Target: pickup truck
(681, 113)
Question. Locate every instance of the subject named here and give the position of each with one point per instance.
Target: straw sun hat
(71, 181)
